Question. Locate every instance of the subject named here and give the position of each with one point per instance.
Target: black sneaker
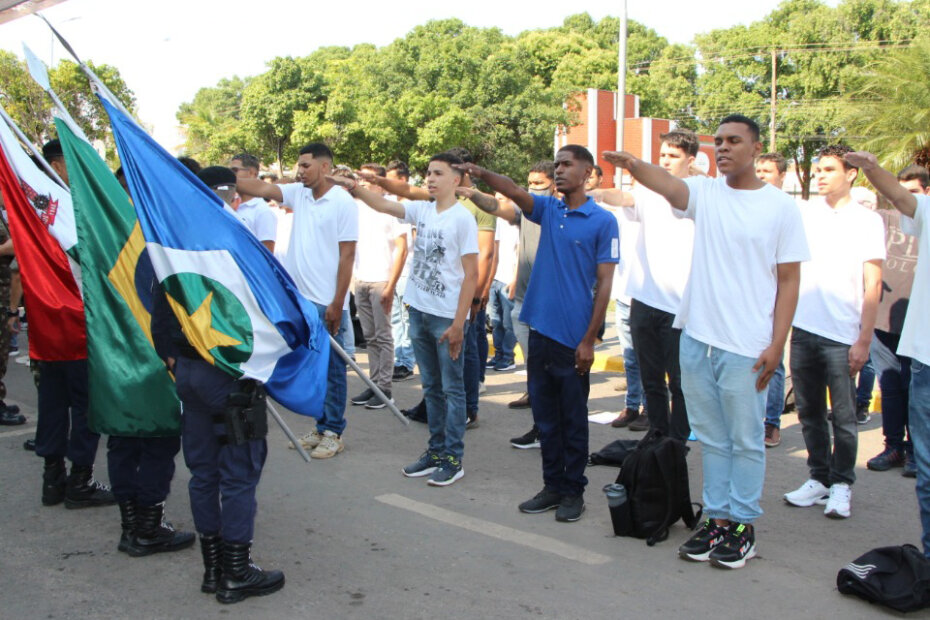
(363, 398)
(423, 466)
(528, 441)
(376, 403)
(401, 373)
(471, 421)
(862, 413)
(703, 542)
(547, 499)
(737, 548)
(910, 465)
(417, 413)
(570, 509)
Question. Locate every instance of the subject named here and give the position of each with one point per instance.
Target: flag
(130, 392)
(237, 306)
(37, 207)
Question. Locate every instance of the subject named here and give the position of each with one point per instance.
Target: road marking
(495, 530)
(23, 431)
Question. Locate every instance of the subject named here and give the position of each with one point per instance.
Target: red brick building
(596, 111)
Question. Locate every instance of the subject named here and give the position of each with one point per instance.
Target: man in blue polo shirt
(578, 251)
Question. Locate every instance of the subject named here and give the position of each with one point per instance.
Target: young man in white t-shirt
(320, 256)
(915, 335)
(253, 211)
(500, 304)
(735, 315)
(380, 256)
(656, 284)
(832, 329)
(442, 284)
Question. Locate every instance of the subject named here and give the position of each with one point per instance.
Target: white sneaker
(309, 441)
(482, 388)
(329, 446)
(810, 493)
(838, 504)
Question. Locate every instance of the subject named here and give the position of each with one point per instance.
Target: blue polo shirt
(572, 243)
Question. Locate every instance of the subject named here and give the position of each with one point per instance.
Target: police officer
(225, 463)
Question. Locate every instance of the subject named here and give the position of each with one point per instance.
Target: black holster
(246, 414)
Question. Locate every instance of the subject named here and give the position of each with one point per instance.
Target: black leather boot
(127, 514)
(242, 579)
(212, 549)
(155, 535)
(53, 482)
(82, 491)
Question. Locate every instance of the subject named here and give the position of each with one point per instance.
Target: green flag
(131, 393)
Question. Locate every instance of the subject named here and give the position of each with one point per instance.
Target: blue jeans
(334, 407)
(819, 364)
(919, 426)
(348, 333)
(474, 362)
(443, 386)
(866, 384)
(726, 412)
(500, 309)
(634, 384)
(775, 403)
(559, 398)
(894, 386)
(400, 327)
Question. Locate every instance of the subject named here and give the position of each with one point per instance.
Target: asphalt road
(358, 540)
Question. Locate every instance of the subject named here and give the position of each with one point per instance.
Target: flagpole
(287, 431)
(37, 153)
(371, 386)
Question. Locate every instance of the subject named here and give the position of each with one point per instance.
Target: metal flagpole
(374, 388)
(287, 431)
(36, 151)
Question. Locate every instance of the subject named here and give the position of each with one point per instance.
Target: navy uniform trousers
(141, 468)
(62, 430)
(223, 476)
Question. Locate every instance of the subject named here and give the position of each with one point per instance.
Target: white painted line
(23, 431)
(495, 530)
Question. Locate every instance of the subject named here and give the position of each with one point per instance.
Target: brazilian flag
(131, 393)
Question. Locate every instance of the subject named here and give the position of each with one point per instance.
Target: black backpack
(655, 476)
(613, 453)
(897, 577)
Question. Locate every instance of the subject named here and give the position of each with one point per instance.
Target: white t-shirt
(258, 218)
(442, 240)
(629, 235)
(508, 237)
(374, 254)
(740, 236)
(915, 336)
(285, 225)
(840, 241)
(319, 226)
(663, 252)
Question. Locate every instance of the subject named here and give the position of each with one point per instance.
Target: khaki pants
(376, 325)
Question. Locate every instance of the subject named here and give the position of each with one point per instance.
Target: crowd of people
(709, 277)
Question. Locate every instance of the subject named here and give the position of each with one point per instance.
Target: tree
(212, 121)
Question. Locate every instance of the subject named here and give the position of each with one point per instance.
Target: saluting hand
(861, 159)
(620, 159)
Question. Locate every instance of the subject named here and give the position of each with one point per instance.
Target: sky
(167, 50)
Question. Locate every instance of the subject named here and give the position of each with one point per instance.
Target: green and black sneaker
(738, 547)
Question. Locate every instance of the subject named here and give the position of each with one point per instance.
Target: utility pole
(772, 113)
(621, 91)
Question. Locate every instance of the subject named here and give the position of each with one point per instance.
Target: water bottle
(619, 505)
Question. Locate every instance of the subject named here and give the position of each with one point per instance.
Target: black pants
(62, 427)
(655, 342)
(141, 468)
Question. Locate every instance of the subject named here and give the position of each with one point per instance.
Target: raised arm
(257, 187)
(488, 203)
(399, 188)
(375, 201)
(654, 177)
(500, 183)
(613, 197)
(885, 182)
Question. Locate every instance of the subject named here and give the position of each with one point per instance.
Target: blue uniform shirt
(573, 242)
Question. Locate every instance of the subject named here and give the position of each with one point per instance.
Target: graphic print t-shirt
(436, 273)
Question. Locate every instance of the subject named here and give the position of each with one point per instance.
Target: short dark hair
(579, 152)
(120, 173)
(838, 151)
(317, 150)
(781, 164)
(683, 139)
(545, 167)
(191, 164)
(915, 171)
(248, 160)
(745, 120)
(462, 153)
(400, 167)
(51, 150)
(598, 170)
(217, 176)
(447, 157)
(378, 169)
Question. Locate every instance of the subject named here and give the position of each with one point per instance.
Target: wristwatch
(12, 313)
(476, 300)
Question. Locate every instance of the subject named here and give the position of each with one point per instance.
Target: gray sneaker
(376, 403)
(449, 471)
(545, 500)
(570, 509)
(424, 466)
